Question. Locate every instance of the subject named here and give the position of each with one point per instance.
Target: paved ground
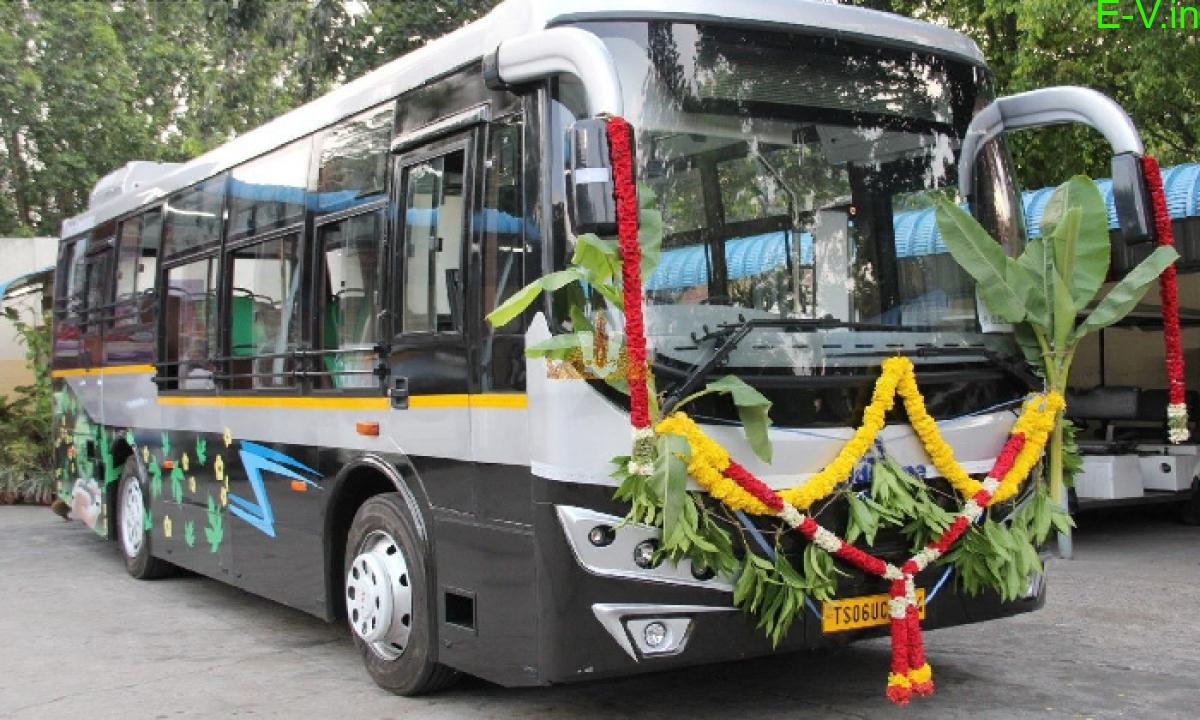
(1120, 637)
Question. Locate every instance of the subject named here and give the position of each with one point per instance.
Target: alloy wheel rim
(133, 518)
(378, 595)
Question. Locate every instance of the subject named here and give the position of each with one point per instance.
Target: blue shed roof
(916, 234)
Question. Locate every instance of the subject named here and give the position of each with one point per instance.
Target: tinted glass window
(269, 192)
(349, 288)
(503, 219)
(193, 217)
(137, 257)
(354, 159)
(98, 282)
(265, 311)
(191, 324)
(72, 297)
(433, 238)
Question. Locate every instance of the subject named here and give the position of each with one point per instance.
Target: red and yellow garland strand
(725, 480)
(1177, 415)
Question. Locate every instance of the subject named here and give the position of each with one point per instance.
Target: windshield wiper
(731, 334)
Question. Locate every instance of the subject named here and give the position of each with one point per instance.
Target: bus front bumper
(601, 615)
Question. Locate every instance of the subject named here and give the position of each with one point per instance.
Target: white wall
(19, 256)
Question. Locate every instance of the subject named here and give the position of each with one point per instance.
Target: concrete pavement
(1119, 637)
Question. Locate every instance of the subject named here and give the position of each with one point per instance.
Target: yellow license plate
(861, 612)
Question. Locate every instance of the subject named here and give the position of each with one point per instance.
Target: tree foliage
(1031, 44)
(89, 85)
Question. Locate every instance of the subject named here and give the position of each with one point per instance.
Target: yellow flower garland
(708, 464)
(709, 460)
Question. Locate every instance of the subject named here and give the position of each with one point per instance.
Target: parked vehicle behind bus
(271, 365)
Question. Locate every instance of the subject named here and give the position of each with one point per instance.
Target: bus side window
(264, 312)
(97, 291)
(190, 324)
(70, 300)
(504, 254)
(353, 160)
(503, 221)
(193, 217)
(137, 263)
(348, 287)
(433, 244)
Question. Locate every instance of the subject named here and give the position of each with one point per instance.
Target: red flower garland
(620, 152)
(754, 486)
(910, 671)
(1168, 290)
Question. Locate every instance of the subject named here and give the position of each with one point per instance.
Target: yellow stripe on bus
(510, 401)
(266, 401)
(110, 370)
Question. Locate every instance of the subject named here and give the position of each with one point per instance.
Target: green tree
(89, 85)
(1038, 43)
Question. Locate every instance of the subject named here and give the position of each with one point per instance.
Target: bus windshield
(796, 176)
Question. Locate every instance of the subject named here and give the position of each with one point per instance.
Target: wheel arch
(120, 451)
(358, 481)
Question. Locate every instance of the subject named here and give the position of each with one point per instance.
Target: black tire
(414, 671)
(140, 564)
(1189, 510)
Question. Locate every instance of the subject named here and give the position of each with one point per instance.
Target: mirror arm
(559, 51)
(1039, 108)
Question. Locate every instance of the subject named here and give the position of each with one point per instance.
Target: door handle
(398, 392)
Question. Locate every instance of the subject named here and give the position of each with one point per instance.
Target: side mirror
(1058, 106)
(1134, 215)
(590, 197)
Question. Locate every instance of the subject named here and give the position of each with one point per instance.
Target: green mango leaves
(752, 408)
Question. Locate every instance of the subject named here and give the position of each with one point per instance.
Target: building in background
(26, 285)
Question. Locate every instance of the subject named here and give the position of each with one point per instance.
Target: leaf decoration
(598, 257)
(189, 533)
(670, 476)
(753, 410)
(1081, 254)
(1128, 292)
(1038, 264)
(166, 445)
(201, 451)
(984, 260)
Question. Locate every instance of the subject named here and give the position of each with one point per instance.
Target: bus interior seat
(241, 340)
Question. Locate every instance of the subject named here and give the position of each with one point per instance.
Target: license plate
(861, 612)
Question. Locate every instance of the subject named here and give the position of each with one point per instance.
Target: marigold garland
(710, 463)
(736, 487)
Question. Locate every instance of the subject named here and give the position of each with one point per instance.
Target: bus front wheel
(132, 531)
(389, 602)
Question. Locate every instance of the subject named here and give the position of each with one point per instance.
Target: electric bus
(271, 365)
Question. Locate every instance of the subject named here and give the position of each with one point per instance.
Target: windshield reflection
(799, 184)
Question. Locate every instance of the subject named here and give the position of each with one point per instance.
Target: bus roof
(513, 18)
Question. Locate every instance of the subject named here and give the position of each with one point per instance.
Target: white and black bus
(272, 367)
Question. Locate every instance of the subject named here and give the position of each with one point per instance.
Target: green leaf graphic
(177, 484)
(155, 477)
(201, 451)
(215, 532)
